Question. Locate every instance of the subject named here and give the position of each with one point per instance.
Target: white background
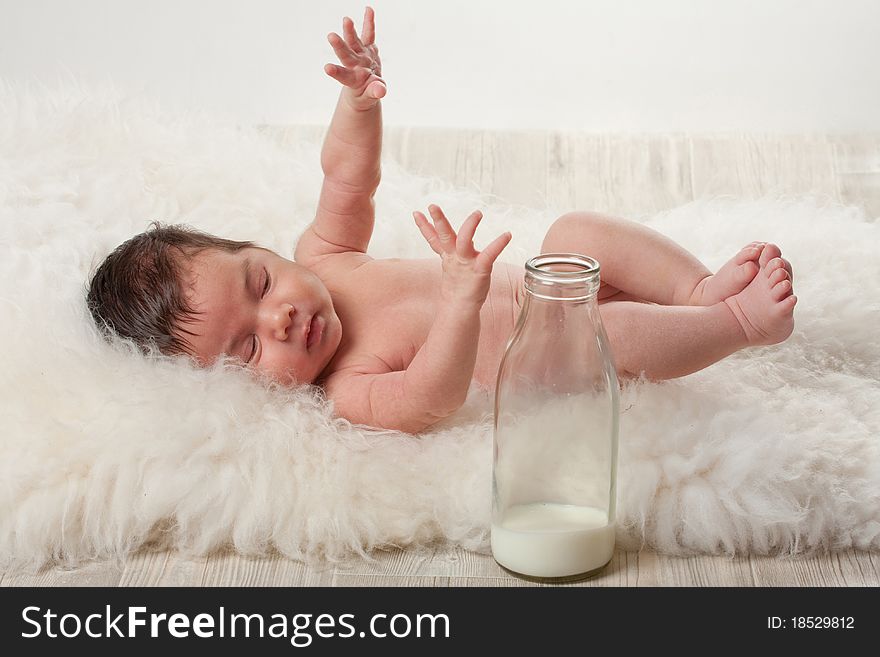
(591, 65)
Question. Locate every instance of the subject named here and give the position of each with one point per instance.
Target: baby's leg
(647, 265)
(666, 342)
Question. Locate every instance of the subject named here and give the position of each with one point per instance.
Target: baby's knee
(583, 219)
(574, 227)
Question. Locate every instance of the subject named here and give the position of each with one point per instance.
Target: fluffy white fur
(774, 450)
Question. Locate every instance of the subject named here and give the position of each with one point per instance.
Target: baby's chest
(393, 309)
(390, 311)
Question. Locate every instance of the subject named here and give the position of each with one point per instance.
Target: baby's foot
(764, 309)
(772, 251)
(732, 278)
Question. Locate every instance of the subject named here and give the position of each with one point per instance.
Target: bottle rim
(586, 268)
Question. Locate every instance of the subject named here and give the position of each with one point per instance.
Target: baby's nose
(283, 320)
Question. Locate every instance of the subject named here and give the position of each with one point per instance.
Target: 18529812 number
(822, 622)
(811, 623)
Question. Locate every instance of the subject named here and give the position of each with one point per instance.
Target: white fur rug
(772, 451)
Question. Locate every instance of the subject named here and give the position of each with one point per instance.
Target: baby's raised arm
(437, 380)
(352, 148)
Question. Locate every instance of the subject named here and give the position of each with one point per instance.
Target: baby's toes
(746, 272)
(757, 246)
(787, 265)
(784, 308)
(778, 275)
(770, 252)
(781, 290)
(749, 253)
(777, 264)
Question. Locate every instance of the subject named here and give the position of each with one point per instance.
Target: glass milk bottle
(556, 423)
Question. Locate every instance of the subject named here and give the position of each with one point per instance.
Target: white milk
(552, 540)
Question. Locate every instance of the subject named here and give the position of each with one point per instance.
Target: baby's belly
(498, 318)
(390, 310)
(408, 292)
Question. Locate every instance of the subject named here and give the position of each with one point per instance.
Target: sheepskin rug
(772, 451)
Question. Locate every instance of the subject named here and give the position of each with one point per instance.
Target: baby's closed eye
(267, 284)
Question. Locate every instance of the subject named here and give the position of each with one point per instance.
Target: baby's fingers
(369, 32)
(342, 75)
(376, 89)
(351, 37)
(428, 232)
(465, 243)
(444, 229)
(488, 255)
(346, 55)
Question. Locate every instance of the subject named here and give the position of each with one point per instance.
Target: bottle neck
(561, 277)
(558, 342)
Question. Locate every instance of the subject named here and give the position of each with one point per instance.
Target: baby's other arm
(350, 157)
(436, 383)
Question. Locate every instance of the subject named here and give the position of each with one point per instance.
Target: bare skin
(397, 343)
(665, 313)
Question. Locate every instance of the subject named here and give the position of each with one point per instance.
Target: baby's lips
(304, 329)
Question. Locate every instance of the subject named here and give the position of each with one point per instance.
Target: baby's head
(183, 291)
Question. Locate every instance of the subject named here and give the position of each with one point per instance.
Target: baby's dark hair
(138, 291)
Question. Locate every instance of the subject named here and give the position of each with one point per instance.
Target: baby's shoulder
(361, 269)
(336, 265)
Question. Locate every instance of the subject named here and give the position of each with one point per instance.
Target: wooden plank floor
(629, 176)
(457, 567)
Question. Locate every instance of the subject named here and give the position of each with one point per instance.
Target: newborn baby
(396, 343)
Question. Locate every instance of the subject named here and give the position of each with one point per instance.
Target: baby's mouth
(315, 331)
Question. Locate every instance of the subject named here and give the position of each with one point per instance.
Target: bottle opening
(567, 275)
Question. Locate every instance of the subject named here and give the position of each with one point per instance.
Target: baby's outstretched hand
(361, 72)
(467, 273)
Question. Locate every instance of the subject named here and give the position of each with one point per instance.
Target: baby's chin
(297, 376)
